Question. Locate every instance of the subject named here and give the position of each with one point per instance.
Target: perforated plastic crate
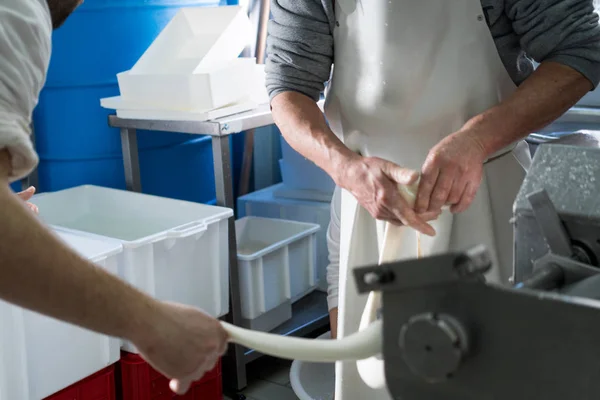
(100, 386)
(141, 382)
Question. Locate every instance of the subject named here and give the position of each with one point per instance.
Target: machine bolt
(477, 261)
(433, 346)
(378, 277)
(371, 278)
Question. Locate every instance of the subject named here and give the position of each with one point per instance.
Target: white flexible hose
(358, 346)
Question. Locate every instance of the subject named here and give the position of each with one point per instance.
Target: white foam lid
(197, 40)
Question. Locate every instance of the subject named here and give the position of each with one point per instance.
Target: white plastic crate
(40, 356)
(277, 262)
(173, 250)
(264, 203)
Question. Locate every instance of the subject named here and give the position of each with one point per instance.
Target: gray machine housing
(450, 335)
(570, 175)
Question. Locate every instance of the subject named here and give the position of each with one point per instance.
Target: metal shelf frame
(310, 313)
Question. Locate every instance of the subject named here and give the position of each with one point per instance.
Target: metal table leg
(131, 160)
(235, 365)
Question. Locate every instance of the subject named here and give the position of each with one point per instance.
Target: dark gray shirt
(300, 43)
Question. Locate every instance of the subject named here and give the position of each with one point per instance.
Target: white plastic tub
(313, 381)
(264, 203)
(173, 250)
(277, 262)
(40, 356)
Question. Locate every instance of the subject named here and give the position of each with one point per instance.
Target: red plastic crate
(141, 382)
(100, 386)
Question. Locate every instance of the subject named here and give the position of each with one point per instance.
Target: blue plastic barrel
(74, 142)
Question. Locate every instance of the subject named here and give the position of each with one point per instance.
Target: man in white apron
(421, 86)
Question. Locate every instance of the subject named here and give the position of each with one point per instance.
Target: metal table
(310, 313)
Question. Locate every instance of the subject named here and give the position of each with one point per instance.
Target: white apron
(408, 73)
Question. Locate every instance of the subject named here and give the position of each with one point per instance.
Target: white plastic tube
(358, 346)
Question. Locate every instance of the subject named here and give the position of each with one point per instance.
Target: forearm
(303, 126)
(547, 94)
(38, 272)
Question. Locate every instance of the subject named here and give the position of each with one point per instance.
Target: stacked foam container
(171, 249)
(192, 72)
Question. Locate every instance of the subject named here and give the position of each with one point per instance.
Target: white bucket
(313, 381)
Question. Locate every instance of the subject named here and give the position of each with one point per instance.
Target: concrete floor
(268, 379)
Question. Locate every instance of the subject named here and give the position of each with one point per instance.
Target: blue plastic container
(74, 142)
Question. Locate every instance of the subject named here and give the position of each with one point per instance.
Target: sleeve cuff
(332, 301)
(14, 137)
(587, 68)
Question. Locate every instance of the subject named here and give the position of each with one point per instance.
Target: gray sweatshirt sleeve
(299, 47)
(564, 31)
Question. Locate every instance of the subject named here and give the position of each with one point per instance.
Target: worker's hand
(374, 183)
(183, 344)
(451, 174)
(26, 195)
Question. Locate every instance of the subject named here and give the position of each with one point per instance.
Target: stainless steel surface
(225, 126)
(234, 364)
(308, 314)
(583, 138)
(540, 138)
(581, 115)
(261, 36)
(131, 161)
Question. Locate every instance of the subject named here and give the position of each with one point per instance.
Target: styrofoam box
(193, 64)
(264, 203)
(277, 262)
(173, 250)
(40, 356)
(209, 89)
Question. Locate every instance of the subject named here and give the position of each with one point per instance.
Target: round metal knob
(433, 346)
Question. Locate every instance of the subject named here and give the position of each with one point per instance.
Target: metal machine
(449, 335)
